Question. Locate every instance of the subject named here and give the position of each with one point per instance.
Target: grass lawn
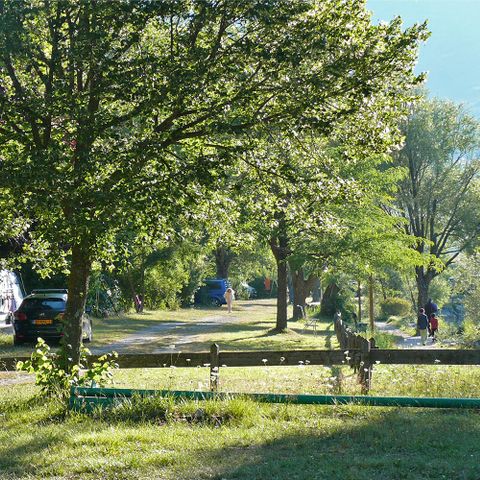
(237, 438)
(39, 439)
(195, 329)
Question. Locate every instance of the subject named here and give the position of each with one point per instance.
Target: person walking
(430, 307)
(229, 296)
(422, 325)
(433, 326)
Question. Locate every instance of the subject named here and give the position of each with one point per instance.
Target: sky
(451, 56)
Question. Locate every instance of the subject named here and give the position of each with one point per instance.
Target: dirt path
(177, 333)
(403, 340)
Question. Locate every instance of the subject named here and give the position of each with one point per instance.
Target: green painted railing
(86, 399)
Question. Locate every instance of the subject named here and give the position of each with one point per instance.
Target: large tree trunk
(223, 259)
(371, 305)
(282, 297)
(301, 289)
(281, 251)
(77, 297)
(423, 279)
(317, 291)
(329, 299)
(359, 297)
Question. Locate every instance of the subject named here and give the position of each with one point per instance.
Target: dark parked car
(212, 292)
(40, 315)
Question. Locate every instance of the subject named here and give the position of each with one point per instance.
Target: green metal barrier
(87, 399)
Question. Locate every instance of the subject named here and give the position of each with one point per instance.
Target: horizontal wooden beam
(426, 357)
(283, 358)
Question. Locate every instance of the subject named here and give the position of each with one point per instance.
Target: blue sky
(452, 54)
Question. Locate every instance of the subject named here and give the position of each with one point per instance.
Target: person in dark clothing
(430, 308)
(422, 325)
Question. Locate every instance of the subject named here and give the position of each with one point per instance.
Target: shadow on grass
(408, 445)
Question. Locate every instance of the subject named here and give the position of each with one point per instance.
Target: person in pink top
(433, 321)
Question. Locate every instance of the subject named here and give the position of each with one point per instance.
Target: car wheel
(215, 302)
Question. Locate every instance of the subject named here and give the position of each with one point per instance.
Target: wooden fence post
(214, 367)
(365, 372)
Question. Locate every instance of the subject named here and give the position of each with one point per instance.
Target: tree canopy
(436, 197)
(120, 115)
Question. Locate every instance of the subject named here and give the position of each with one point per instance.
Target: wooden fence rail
(356, 351)
(215, 360)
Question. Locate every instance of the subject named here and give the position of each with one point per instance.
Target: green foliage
(436, 197)
(55, 381)
(395, 306)
(124, 115)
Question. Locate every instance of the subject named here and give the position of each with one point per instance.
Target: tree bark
(423, 279)
(371, 309)
(223, 259)
(328, 305)
(317, 291)
(280, 250)
(77, 297)
(301, 288)
(282, 297)
(359, 296)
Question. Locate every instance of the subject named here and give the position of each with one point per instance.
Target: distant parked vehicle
(11, 295)
(251, 291)
(212, 292)
(41, 315)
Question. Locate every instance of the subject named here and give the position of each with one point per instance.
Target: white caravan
(11, 293)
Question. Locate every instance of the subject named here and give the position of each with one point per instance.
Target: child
(433, 326)
(229, 298)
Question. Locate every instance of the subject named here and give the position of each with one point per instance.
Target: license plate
(43, 321)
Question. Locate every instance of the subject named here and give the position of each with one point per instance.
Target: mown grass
(237, 438)
(195, 329)
(240, 439)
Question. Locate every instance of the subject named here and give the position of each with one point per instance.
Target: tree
(441, 189)
(120, 114)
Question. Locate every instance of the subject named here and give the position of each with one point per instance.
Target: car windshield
(214, 285)
(44, 303)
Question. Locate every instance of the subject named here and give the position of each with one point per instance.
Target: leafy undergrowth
(238, 439)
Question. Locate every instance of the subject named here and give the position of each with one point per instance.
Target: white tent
(11, 293)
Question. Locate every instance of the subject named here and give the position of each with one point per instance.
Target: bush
(55, 381)
(395, 306)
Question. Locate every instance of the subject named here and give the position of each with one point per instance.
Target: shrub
(395, 306)
(55, 381)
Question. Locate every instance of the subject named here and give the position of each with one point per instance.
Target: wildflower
(223, 365)
(377, 361)
(437, 360)
(264, 360)
(188, 360)
(282, 359)
(215, 369)
(206, 364)
(307, 362)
